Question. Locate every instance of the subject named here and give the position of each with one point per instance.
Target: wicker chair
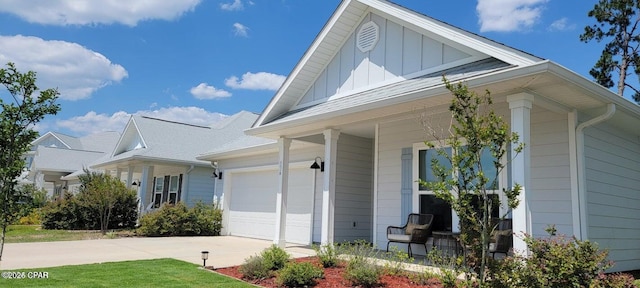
(501, 238)
(417, 230)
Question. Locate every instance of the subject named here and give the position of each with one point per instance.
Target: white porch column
(520, 105)
(283, 191)
(146, 184)
(119, 174)
(329, 185)
(129, 177)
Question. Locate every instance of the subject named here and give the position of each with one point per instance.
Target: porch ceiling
(550, 83)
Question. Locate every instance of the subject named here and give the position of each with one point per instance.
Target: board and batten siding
(550, 190)
(199, 185)
(400, 51)
(354, 178)
(612, 168)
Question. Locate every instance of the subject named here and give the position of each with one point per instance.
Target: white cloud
(240, 30)
(205, 91)
(76, 71)
(508, 15)
(93, 122)
(86, 12)
(561, 25)
(236, 5)
(256, 81)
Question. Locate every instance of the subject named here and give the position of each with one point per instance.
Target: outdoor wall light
(135, 183)
(205, 256)
(315, 164)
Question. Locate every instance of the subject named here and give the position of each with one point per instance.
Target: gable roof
(49, 159)
(147, 138)
(343, 23)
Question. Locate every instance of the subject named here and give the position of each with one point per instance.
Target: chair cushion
(411, 226)
(399, 237)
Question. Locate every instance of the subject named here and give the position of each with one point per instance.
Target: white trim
(376, 170)
(313, 205)
(283, 192)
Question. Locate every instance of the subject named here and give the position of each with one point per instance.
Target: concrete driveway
(224, 251)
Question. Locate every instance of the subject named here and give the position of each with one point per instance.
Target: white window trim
(155, 190)
(177, 178)
(502, 180)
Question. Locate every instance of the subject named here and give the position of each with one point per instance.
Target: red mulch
(332, 278)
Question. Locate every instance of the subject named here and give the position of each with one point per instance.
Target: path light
(205, 256)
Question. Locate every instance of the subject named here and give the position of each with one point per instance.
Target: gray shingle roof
(63, 160)
(180, 142)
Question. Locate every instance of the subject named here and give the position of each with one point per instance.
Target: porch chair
(501, 238)
(417, 230)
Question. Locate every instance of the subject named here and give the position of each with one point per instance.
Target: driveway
(224, 251)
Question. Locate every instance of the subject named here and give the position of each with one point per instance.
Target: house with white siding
(353, 100)
(54, 156)
(157, 158)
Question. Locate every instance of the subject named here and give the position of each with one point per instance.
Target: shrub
(70, 212)
(178, 220)
(426, 277)
(274, 257)
(327, 254)
(299, 275)
(254, 268)
(396, 262)
(363, 272)
(615, 280)
(33, 218)
(553, 262)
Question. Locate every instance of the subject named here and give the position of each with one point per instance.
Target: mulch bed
(333, 277)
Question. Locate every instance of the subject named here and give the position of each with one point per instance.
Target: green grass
(33, 233)
(144, 273)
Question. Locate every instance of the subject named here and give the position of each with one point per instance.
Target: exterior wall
(400, 51)
(550, 191)
(612, 162)
(199, 186)
(354, 178)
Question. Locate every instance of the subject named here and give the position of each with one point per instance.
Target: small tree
(464, 180)
(19, 113)
(617, 21)
(100, 193)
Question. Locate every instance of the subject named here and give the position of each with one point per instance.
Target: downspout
(580, 159)
(185, 184)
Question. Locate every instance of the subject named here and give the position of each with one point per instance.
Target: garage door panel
(253, 205)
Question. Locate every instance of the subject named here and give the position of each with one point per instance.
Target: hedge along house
(357, 92)
(158, 158)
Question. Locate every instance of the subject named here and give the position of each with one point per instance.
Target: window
(424, 200)
(173, 189)
(157, 192)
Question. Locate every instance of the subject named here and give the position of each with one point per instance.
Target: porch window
(173, 189)
(424, 200)
(157, 191)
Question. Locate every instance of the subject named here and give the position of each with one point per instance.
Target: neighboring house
(55, 155)
(158, 158)
(354, 99)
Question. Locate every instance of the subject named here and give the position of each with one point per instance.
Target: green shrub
(553, 262)
(614, 280)
(70, 212)
(299, 275)
(363, 272)
(274, 257)
(178, 220)
(33, 218)
(253, 268)
(396, 262)
(327, 254)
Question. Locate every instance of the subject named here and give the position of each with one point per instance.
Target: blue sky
(195, 60)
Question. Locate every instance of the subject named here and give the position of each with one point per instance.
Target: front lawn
(144, 273)
(33, 233)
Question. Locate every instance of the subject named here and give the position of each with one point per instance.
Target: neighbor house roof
(153, 139)
(63, 160)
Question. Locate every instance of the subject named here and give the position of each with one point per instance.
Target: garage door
(252, 207)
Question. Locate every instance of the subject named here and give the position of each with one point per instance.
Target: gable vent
(367, 37)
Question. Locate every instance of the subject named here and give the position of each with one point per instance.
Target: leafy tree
(100, 192)
(462, 178)
(19, 113)
(617, 23)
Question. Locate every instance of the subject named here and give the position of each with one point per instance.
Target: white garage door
(252, 205)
